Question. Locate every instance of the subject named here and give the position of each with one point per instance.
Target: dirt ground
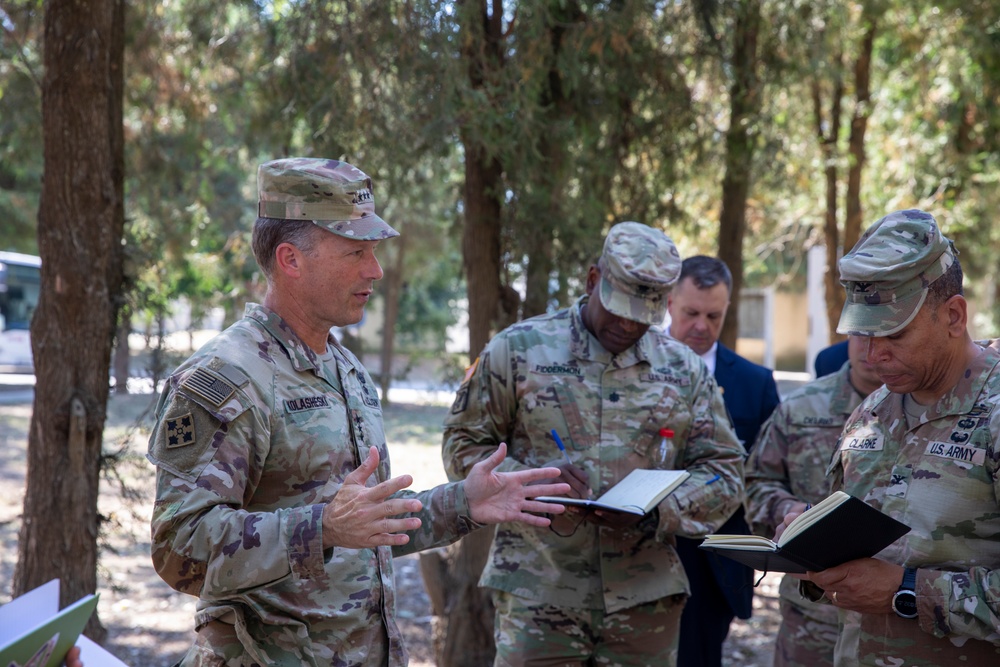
(149, 625)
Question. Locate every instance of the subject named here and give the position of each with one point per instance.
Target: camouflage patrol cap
(888, 273)
(335, 195)
(638, 266)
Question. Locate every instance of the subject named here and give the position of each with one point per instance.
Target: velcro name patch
(306, 403)
(556, 369)
(956, 452)
(863, 442)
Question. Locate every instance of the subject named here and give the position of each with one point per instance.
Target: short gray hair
(706, 272)
(269, 233)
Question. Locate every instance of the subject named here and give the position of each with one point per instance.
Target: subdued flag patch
(209, 386)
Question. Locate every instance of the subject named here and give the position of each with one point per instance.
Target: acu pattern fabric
(788, 466)
(255, 433)
(940, 477)
(549, 372)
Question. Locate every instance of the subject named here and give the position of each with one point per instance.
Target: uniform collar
(301, 355)
(584, 345)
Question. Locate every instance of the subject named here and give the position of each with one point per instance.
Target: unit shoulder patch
(179, 431)
(182, 442)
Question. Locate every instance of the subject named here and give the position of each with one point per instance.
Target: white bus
(20, 284)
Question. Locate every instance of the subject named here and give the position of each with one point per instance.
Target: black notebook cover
(853, 529)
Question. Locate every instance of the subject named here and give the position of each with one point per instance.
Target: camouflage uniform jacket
(788, 464)
(549, 372)
(254, 435)
(941, 479)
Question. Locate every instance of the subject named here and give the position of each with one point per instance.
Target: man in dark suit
(721, 589)
(830, 359)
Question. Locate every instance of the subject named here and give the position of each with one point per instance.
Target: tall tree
(827, 127)
(828, 131)
(483, 54)
(80, 223)
(741, 137)
(467, 609)
(859, 125)
(544, 187)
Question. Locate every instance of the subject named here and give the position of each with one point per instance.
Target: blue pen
(714, 479)
(562, 447)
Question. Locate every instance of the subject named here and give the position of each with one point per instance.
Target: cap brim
(885, 319)
(631, 308)
(369, 228)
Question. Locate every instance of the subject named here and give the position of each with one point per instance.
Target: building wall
(774, 328)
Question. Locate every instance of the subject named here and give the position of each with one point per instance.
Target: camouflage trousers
(534, 634)
(808, 631)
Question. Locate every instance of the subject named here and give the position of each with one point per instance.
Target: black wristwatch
(904, 601)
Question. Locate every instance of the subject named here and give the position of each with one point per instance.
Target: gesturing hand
(360, 517)
(495, 497)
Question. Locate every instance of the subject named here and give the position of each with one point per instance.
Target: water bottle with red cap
(661, 456)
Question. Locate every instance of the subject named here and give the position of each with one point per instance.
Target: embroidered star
(359, 425)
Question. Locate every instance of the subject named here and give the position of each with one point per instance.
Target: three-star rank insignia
(179, 431)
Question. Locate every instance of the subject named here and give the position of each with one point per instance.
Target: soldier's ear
(288, 260)
(593, 277)
(956, 310)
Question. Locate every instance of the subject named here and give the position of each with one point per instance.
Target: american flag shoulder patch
(209, 385)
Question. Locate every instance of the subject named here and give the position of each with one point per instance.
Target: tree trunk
(539, 273)
(122, 355)
(856, 146)
(828, 140)
(483, 186)
(552, 177)
(481, 246)
(744, 102)
(80, 226)
(393, 291)
(468, 631)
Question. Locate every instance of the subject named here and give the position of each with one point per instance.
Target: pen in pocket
(562, 447)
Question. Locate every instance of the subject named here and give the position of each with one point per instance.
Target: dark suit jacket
(750, 395)
(830, 359)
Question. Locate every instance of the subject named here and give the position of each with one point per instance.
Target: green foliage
(20, 124)
(599, 112)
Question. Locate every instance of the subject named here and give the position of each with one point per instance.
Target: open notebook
(637, 493)
(838, 529)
